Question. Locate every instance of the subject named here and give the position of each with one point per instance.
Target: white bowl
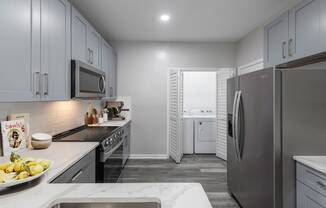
(41, 140)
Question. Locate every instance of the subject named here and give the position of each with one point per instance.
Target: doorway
(197, 112)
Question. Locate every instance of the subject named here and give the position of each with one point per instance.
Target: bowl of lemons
(22, 170)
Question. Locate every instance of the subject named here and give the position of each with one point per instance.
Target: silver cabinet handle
(37, 83)
(92, 57)
(237, 125)
(46, 84)
(321, 185)
(290, 47)
(111, 92)
(89, 55)
(283, 50)
(77, 175)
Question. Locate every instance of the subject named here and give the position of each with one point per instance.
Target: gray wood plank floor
(207, 170)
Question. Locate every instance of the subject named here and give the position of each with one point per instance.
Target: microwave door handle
(102, 79)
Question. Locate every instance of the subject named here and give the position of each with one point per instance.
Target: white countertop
(111, 123)
(315, 162)
(40, 193)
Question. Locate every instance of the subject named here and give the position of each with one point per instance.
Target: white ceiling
(191, 20)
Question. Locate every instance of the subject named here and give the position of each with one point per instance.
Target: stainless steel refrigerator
(273, 114)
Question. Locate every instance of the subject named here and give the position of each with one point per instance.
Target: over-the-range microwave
(86, 81)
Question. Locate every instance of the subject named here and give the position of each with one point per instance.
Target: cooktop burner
(85, 134)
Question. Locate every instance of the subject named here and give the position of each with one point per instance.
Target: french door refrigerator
(273, 114)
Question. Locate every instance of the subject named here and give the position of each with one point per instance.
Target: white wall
(142, 74)
(199, 91)
(250, 48)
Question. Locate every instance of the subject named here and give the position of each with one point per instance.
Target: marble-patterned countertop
(40, 193)
(315, 162)
(111, 123)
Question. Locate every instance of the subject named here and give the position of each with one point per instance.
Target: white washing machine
(199, 134)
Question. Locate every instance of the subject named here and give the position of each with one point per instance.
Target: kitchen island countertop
(41, 193)
(315, 162)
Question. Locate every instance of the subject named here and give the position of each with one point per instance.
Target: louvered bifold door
(221, 113)
(175, 114)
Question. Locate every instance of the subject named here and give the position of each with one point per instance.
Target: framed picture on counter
(13, 136)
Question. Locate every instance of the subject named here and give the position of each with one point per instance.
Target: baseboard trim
(148, 156)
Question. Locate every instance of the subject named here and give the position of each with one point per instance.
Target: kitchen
(118, 67)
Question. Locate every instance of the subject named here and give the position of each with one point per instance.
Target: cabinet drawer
(311, 178)
(81, 172)
(308, 198)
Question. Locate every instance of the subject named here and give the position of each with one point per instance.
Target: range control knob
(106, 143)
(111, 140)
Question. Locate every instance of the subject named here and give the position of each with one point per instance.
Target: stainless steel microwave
(86, 81)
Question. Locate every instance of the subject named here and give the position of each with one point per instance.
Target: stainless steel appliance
(86, 81)
(109, 154)
(273, 114)
(111, 157)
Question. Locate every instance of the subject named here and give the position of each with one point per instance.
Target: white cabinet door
(79, 37)
(55, 42)
(305, 30)
(20, 50)
(94, 47)
(276, 41)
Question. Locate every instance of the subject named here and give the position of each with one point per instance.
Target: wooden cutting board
(26, 118)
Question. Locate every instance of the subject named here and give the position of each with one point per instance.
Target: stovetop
(85, 134)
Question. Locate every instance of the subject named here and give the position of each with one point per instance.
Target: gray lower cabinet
(126, 142)
(81, 172)
(311, 188)
(35, 50)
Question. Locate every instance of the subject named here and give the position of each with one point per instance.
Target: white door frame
(181, 69)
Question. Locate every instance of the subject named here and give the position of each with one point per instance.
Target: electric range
(109, 153)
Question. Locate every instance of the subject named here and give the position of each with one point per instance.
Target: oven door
(86, 81)
(112, 165)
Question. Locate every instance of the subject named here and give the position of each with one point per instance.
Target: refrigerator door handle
(237, 111)
(235, 101)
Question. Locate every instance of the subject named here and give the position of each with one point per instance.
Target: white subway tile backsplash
(50, 117)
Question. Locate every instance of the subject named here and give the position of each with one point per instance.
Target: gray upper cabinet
(297, 34)
(55, 56)
(35, 50)
(109, 65)
(304, 27)
(276, 38)
(79, 37)
(94, 47)
(86, 42)
(19, 54)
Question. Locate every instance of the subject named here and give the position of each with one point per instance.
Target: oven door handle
(106, 155)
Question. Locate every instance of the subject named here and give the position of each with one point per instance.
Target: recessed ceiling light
(165, 17)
